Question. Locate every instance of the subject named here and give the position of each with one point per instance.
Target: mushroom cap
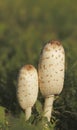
(51, 69)
(27, 90)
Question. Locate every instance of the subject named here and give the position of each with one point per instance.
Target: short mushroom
(27, 90)
(51, 73)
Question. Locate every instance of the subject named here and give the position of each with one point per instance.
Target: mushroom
(51, 73)
(27, 90)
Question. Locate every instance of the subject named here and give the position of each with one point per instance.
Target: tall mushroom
(27, 88)
(51, 73)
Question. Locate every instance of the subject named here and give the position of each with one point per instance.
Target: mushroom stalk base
(27, 113)
(48, 106)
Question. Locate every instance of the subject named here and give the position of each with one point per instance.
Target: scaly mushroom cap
(27, 86)
(51, 69)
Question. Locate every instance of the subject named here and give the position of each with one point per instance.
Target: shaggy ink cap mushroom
(51, 71)
(27, 90)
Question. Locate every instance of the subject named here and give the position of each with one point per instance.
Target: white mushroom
(27, 88)
(51, 73)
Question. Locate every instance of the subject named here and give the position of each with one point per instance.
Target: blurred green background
(25, 25)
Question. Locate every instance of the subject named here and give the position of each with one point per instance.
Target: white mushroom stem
(48, 106)
(28, 113)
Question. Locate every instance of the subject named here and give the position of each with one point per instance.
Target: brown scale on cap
(47, 49)
(55, 43)
(28, 67)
